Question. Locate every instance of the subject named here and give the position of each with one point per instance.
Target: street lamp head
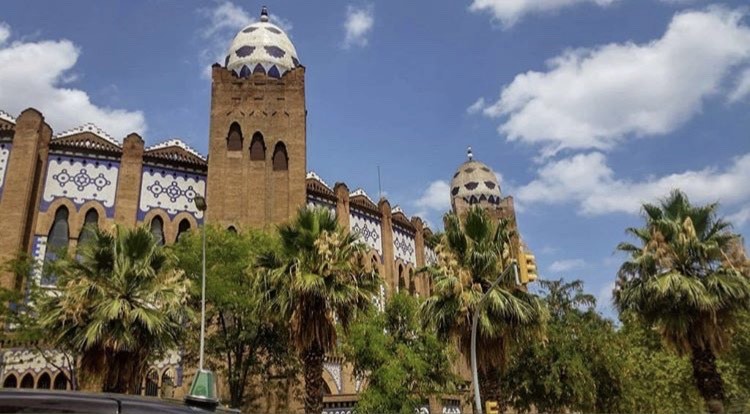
(200, 203)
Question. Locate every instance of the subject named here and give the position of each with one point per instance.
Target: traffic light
(527, 265)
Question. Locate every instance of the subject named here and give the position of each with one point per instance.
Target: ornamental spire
(469, 153)
(264, 14)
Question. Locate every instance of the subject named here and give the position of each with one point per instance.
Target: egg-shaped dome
(475, 182)
(261, 47)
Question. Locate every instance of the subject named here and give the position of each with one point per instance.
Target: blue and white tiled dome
(475, 182)
(261, 47)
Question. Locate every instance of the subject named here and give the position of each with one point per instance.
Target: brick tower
(257, 148)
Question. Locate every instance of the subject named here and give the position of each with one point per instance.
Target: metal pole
(475, 319)
(203, 299)
(474, 373)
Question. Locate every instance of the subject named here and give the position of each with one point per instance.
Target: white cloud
(594, 98)
(566, 265)
(741, 217)
(509, 12)
(358, 24)
(4, 32)
(742, 87)
(587, 180)
(477, 107)
(32, 75)
(436, 197)
(223, 21)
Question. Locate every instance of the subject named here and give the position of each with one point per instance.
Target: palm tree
(119, 303)
(317, 282)
(472, 254)
(679, 279)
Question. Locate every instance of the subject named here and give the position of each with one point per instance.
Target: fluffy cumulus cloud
(587, 180)
(594, 98)
(566, 265)
(741, 217)
(434, 199)
(358, 25)
(222, 22)
(509, 12)
(742, 87)
(32, 74)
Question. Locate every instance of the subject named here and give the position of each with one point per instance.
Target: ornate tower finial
(264, 14)
(469, 153)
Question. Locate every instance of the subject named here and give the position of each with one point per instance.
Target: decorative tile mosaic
(404, 247)
(4, 157)
(430, 256)
(22, 361)
(171, 190)
(368, 228)
(334, 368)
(81, 180)
(317, 202)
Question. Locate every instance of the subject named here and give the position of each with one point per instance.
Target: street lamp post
(475, 319)
(203, 389)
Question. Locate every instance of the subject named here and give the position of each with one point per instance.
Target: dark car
(60, 402)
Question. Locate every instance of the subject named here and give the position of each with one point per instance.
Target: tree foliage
(577, 367)
(119, 304)
(316, 281)
(474, 251)
(403, 362)
(244, 341)
(680, 279)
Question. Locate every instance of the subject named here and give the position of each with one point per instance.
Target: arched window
(57, 242)
(61, 383)
(257, 148)
(234, 138)
(27, 381)
(280, 158)
(183, 228)
(10, 381)
(44, 382)
(90, 224)
(157, 229)
(401, 281)
(152, 383)
(167, 384)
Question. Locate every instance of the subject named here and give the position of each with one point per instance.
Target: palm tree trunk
(312, 358)
(708, 379)
(489, 385)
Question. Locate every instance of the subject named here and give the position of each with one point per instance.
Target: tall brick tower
(257, 148)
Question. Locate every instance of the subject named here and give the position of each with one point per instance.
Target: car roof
(89, 402)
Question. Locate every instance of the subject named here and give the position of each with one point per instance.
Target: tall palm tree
(119, 303)
(472, 254)
(680, 279)
(317, 282)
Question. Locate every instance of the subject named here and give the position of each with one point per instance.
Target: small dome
(261, 47)
(475, 182)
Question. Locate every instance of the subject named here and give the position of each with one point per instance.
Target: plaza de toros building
(53, 183)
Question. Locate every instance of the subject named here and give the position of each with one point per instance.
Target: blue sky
(586, 108)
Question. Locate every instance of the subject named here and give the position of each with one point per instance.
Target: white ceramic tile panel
(81, 180)
(368, 228)
(4, 157)
(170, 190)
(404, 246)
